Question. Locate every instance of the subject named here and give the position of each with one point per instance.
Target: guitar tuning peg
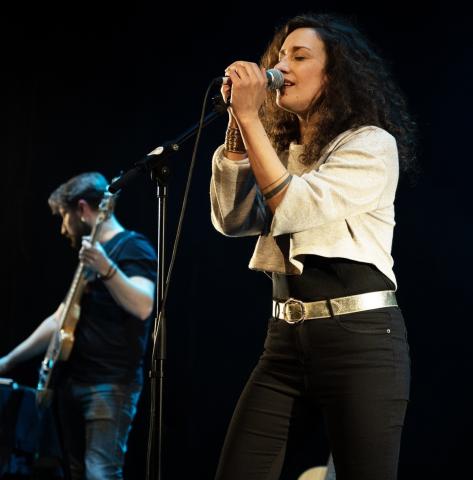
(114, 179)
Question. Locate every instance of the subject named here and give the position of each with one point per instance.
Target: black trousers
(354, 368)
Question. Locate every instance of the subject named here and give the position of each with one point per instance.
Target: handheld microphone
(275, 79)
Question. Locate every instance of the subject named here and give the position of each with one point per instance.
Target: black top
(325, 277)
(110, 343)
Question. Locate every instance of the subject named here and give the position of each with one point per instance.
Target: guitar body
(60, 346)
(316, 473)
(67, 333)
(43, 390)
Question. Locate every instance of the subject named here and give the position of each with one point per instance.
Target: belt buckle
(291, 315)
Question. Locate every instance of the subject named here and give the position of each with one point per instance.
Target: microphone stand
(157, 163)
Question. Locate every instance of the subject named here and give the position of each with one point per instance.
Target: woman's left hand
(248, 89)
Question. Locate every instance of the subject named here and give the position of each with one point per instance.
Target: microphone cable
(220, 108)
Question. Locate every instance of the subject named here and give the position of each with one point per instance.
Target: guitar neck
(79, 282)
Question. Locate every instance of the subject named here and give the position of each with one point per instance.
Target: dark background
(86, 90)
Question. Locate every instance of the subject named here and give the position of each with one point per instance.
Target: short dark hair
(89, 186)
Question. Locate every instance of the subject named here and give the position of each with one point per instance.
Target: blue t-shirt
(110, 343)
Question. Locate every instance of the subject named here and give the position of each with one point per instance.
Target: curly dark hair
(360, 91)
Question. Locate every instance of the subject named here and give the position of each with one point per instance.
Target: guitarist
(101, 382)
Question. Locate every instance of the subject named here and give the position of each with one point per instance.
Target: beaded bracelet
(234, 141)
(111, 272)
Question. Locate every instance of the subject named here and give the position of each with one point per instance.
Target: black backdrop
(86, 90)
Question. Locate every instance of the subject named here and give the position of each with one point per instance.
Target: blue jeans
(95, 422)
(354, 369)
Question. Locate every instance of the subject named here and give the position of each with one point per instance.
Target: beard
(80, 230)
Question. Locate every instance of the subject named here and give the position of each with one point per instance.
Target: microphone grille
(275, 78)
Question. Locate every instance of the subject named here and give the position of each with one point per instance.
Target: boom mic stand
(157, 163)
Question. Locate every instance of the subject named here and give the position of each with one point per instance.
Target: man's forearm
(134, 294)
(35, 344)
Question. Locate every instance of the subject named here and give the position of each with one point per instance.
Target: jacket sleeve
(351, 181)
(237, 206)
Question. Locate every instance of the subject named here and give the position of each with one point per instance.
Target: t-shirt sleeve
(138, 258)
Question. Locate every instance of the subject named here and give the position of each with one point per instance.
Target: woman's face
(302, 60)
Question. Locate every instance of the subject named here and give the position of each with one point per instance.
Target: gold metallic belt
(295, 311)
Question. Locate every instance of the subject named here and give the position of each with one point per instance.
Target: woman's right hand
(248, 89)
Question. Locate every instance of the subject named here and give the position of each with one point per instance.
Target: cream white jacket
(340, 206)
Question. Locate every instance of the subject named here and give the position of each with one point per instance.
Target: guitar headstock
(107, 204)
(106, 207)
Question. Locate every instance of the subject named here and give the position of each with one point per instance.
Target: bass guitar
(62, 340)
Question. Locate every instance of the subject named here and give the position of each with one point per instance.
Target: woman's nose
(282, 66)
